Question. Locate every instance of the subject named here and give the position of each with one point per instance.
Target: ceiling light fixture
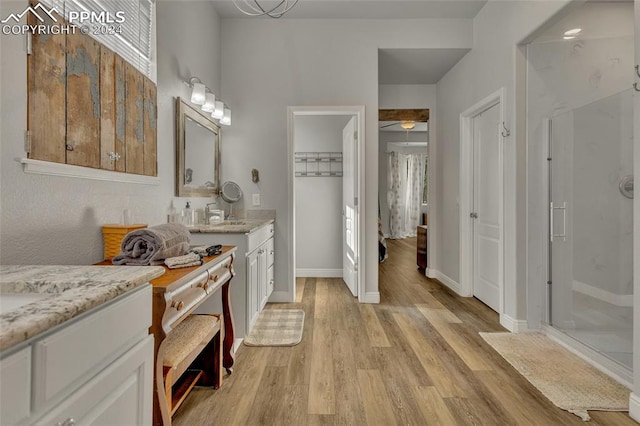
(568, 37)
(254, 8)
(572, 32)
(408, 125)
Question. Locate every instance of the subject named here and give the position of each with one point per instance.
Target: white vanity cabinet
(94, 369)
(254, 279)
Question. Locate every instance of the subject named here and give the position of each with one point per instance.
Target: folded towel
(190, 259)
(202, 250)
(150, 246)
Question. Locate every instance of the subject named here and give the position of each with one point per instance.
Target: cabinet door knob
(179, 305)
(205, 286)
(271, 252)
(68, 422)
(215, 278)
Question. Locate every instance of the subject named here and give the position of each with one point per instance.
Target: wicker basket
(113, 235)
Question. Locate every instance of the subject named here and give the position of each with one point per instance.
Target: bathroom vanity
(75, 344)
(254, 280)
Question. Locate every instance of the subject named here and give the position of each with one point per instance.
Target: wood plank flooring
(416, 358)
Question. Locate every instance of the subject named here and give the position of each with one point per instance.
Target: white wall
(490, 65)
(57, 220)
(402, 96)
(268, 65)
(318, 200)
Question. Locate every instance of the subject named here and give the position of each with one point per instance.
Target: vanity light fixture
(218, 112)
(226, 119)
(408, 125)
(254, 8)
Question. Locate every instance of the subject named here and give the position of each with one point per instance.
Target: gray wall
(57, 220)
(490, 65)
(268, 65)
(318, 200)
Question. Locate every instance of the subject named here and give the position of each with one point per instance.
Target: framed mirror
(197, 153)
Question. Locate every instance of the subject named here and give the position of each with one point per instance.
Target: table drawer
(67, 358)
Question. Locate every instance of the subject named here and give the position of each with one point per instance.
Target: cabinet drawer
(271, 253)
(256, 238)
(220, 273)
(69, 357)
(121, 394)
(15, 387)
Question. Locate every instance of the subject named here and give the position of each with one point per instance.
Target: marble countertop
(70, 291)
(240, 226)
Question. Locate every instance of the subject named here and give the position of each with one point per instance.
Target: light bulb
(198, 94)
(226, 119)
(218, 113)
(210, 103)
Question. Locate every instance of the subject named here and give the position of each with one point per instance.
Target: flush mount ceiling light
(573, 32)
(408, 125)
(259, 8)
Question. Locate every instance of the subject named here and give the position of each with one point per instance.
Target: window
(124, 26)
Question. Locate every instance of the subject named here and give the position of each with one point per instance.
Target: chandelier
(254, 8)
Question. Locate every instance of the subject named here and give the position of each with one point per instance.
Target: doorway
(326, 186)
(481, 201)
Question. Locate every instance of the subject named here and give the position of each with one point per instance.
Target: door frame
(359, 112)
(466, 193)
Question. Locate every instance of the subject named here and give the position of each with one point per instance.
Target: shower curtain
(405, 184)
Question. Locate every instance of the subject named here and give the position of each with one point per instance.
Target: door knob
(473, 215)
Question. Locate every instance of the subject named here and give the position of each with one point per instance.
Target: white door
(487, 201)
(349, 206)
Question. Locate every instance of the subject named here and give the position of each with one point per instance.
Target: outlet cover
(256, 200)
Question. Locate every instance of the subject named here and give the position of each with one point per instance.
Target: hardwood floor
(416, 358)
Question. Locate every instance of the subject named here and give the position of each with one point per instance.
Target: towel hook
(638, 70)
(505, 132)
(635, 86)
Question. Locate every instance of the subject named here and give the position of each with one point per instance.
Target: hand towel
(190, 259)
(150, 246)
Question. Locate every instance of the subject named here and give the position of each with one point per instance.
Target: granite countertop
(240, 226)
(67, 291)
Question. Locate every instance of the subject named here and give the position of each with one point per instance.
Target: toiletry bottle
(172, 215)
(187, 215)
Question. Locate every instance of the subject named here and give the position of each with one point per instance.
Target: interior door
(487, 199)
(349, 206)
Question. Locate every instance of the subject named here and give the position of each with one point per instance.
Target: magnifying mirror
(231, 193)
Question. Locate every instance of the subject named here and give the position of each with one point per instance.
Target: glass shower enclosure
(580, 99)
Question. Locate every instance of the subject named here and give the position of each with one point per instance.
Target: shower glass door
(591, 224)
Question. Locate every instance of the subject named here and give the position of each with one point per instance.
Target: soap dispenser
(187, 215)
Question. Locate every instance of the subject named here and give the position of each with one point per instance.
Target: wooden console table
(177, 294)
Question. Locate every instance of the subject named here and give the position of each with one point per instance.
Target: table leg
(229, 330)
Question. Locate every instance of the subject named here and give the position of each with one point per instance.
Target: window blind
(132, 38)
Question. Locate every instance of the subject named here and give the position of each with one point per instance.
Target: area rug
(565, 379)
(277, 327)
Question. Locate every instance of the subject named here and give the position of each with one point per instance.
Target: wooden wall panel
(107, 108)
(150, 128)
(134, 132)
(121, 114)
(46, 69)
(83, 101)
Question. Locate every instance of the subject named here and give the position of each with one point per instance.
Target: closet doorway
(326, 185)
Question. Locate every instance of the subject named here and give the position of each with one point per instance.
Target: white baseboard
(634, 406)
(318, 273)
(514, 325)
(452, 284)
(371, 297)
(625, 300)
(279, 296)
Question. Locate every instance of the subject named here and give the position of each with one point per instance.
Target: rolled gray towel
(150, 246)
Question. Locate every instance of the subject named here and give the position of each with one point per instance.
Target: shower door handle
(552, 210)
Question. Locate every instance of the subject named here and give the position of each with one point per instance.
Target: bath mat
(565, 379)
(277, 327)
